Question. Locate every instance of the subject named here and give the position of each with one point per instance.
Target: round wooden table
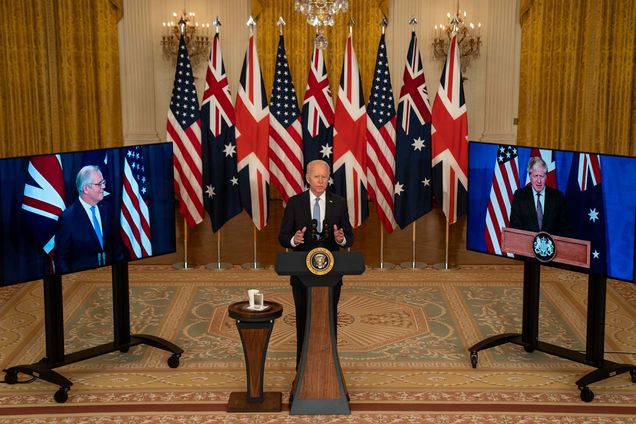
(255, 327)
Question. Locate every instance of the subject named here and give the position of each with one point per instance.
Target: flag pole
(218, 266)
(413, 264)
(184, 265)
(445, 266)
(382, 265)
(254, 266)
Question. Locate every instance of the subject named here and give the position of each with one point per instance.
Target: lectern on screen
(600, 193)
(36, 190)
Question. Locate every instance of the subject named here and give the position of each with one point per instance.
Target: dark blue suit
(298, 215)
(523, 212)
(76, 244)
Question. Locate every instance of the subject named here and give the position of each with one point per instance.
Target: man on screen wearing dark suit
(537, 207)
(86, 234)
(309, 223)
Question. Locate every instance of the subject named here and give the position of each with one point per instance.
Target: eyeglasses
(101, 183)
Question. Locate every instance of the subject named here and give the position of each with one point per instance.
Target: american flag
(586, 211)
(135, 218)
(450, 138)
(43, 201)
(252, 134)
(220, 177)
(413, 189)
(550, 173)
(381, 140)
(504, 184)
(349, 141)
(285, 131)
(317, 119)
(184, 131)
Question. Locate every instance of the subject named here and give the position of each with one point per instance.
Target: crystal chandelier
(468, 39)
(197, 37)
(320, 14)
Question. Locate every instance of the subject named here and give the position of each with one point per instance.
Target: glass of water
(259, 301)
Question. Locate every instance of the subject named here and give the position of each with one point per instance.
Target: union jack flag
(285, 131)
(43, 201)
(220, 177)
(349, 156)
(252, 134)
(381, 140)
(317, 119)
(135, 218)
(450, 138)
(586, 212)
(184, 131)
(413, 194)
(504, 185)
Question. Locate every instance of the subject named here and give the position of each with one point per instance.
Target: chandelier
(468, 39)
(197, 37)
(320, 14)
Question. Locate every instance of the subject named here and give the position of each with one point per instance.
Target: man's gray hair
(83, 177)
(316, 162)
(534, 161)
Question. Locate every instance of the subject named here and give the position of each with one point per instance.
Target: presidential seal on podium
(319, 261)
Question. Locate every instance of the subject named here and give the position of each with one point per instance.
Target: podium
(319, 387)
(568, 252)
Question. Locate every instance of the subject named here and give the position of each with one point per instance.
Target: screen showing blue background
(618, 176)
(21, 255)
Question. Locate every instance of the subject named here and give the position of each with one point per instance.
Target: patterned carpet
(403, 337)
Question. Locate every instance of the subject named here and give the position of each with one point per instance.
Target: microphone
(325, 230)
(314, 229)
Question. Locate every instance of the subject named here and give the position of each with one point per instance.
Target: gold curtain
(299, 41)
(578, 79)
(60, 85)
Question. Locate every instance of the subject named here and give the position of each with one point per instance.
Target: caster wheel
(586, 394)
(11, 377)
(124, 349)
(173, 361)
(632, 372)
(473, 359)
(61, 395)
(528, 349)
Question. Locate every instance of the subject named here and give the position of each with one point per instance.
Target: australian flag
(585, 207)
(220, 178)
(317, 113)
(413, 191)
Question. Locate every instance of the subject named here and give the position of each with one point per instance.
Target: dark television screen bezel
(160, 166)
(522, 167)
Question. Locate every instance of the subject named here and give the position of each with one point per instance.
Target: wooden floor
(237, 241)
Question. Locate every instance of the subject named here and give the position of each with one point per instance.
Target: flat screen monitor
(598, 192)
(68, 212)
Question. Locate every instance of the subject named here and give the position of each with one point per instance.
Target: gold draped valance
(578, 79)
(60, 85)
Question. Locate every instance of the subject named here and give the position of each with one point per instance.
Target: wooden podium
(319, 387)
(568, 252)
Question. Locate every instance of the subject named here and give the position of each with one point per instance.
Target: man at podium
(314, 218)
(538, 207)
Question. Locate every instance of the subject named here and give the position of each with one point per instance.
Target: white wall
(491, 88)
